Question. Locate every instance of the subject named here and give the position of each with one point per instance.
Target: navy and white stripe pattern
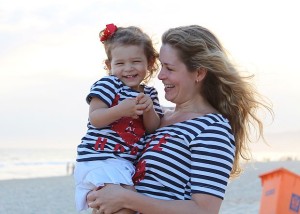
(104, 143)
(190, 157)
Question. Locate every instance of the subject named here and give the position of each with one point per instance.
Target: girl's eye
(136, 61)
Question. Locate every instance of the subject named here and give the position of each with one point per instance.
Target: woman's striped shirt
(123, 138)
(194, 156)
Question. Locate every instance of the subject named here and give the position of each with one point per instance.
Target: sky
(50, 55)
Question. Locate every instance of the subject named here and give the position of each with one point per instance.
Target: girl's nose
(128, 67)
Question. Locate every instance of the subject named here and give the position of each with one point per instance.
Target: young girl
(122, 110)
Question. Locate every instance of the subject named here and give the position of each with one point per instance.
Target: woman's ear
(200, 74)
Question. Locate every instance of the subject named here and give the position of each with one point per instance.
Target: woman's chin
(168, 98)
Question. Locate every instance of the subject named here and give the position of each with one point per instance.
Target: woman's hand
(107, 200)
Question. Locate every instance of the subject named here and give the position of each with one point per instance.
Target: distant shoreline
(65, 168)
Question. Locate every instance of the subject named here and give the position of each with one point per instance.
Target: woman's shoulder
(211, 119)
(215, 117)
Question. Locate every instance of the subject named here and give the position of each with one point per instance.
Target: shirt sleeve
(152, 92)
(105, 89)
(212, 155)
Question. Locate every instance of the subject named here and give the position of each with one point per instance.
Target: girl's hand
(144, 102)
(128, 107)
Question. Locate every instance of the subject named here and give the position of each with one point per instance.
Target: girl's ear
(107, 64)
(201, 73)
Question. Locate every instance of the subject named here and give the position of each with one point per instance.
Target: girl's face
(180, 84)
(129, 64)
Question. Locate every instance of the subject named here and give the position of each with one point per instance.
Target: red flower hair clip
(108, 32)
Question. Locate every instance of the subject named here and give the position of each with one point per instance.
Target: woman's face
(180, 84)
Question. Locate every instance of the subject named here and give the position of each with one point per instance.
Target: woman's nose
(161, 75)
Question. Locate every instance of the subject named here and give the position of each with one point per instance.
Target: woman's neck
(187, 111)
(199, 106)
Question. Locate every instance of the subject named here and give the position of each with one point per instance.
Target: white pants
(92, 174)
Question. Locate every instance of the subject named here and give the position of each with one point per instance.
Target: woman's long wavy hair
(232, 94)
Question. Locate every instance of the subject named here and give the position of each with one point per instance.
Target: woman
(187, 162)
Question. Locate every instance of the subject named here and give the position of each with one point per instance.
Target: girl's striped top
(123, 138)
(189, 157)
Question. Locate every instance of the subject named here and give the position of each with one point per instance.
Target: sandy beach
(55, 195)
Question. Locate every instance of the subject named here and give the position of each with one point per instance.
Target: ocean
(36, 162)
(22, 163)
